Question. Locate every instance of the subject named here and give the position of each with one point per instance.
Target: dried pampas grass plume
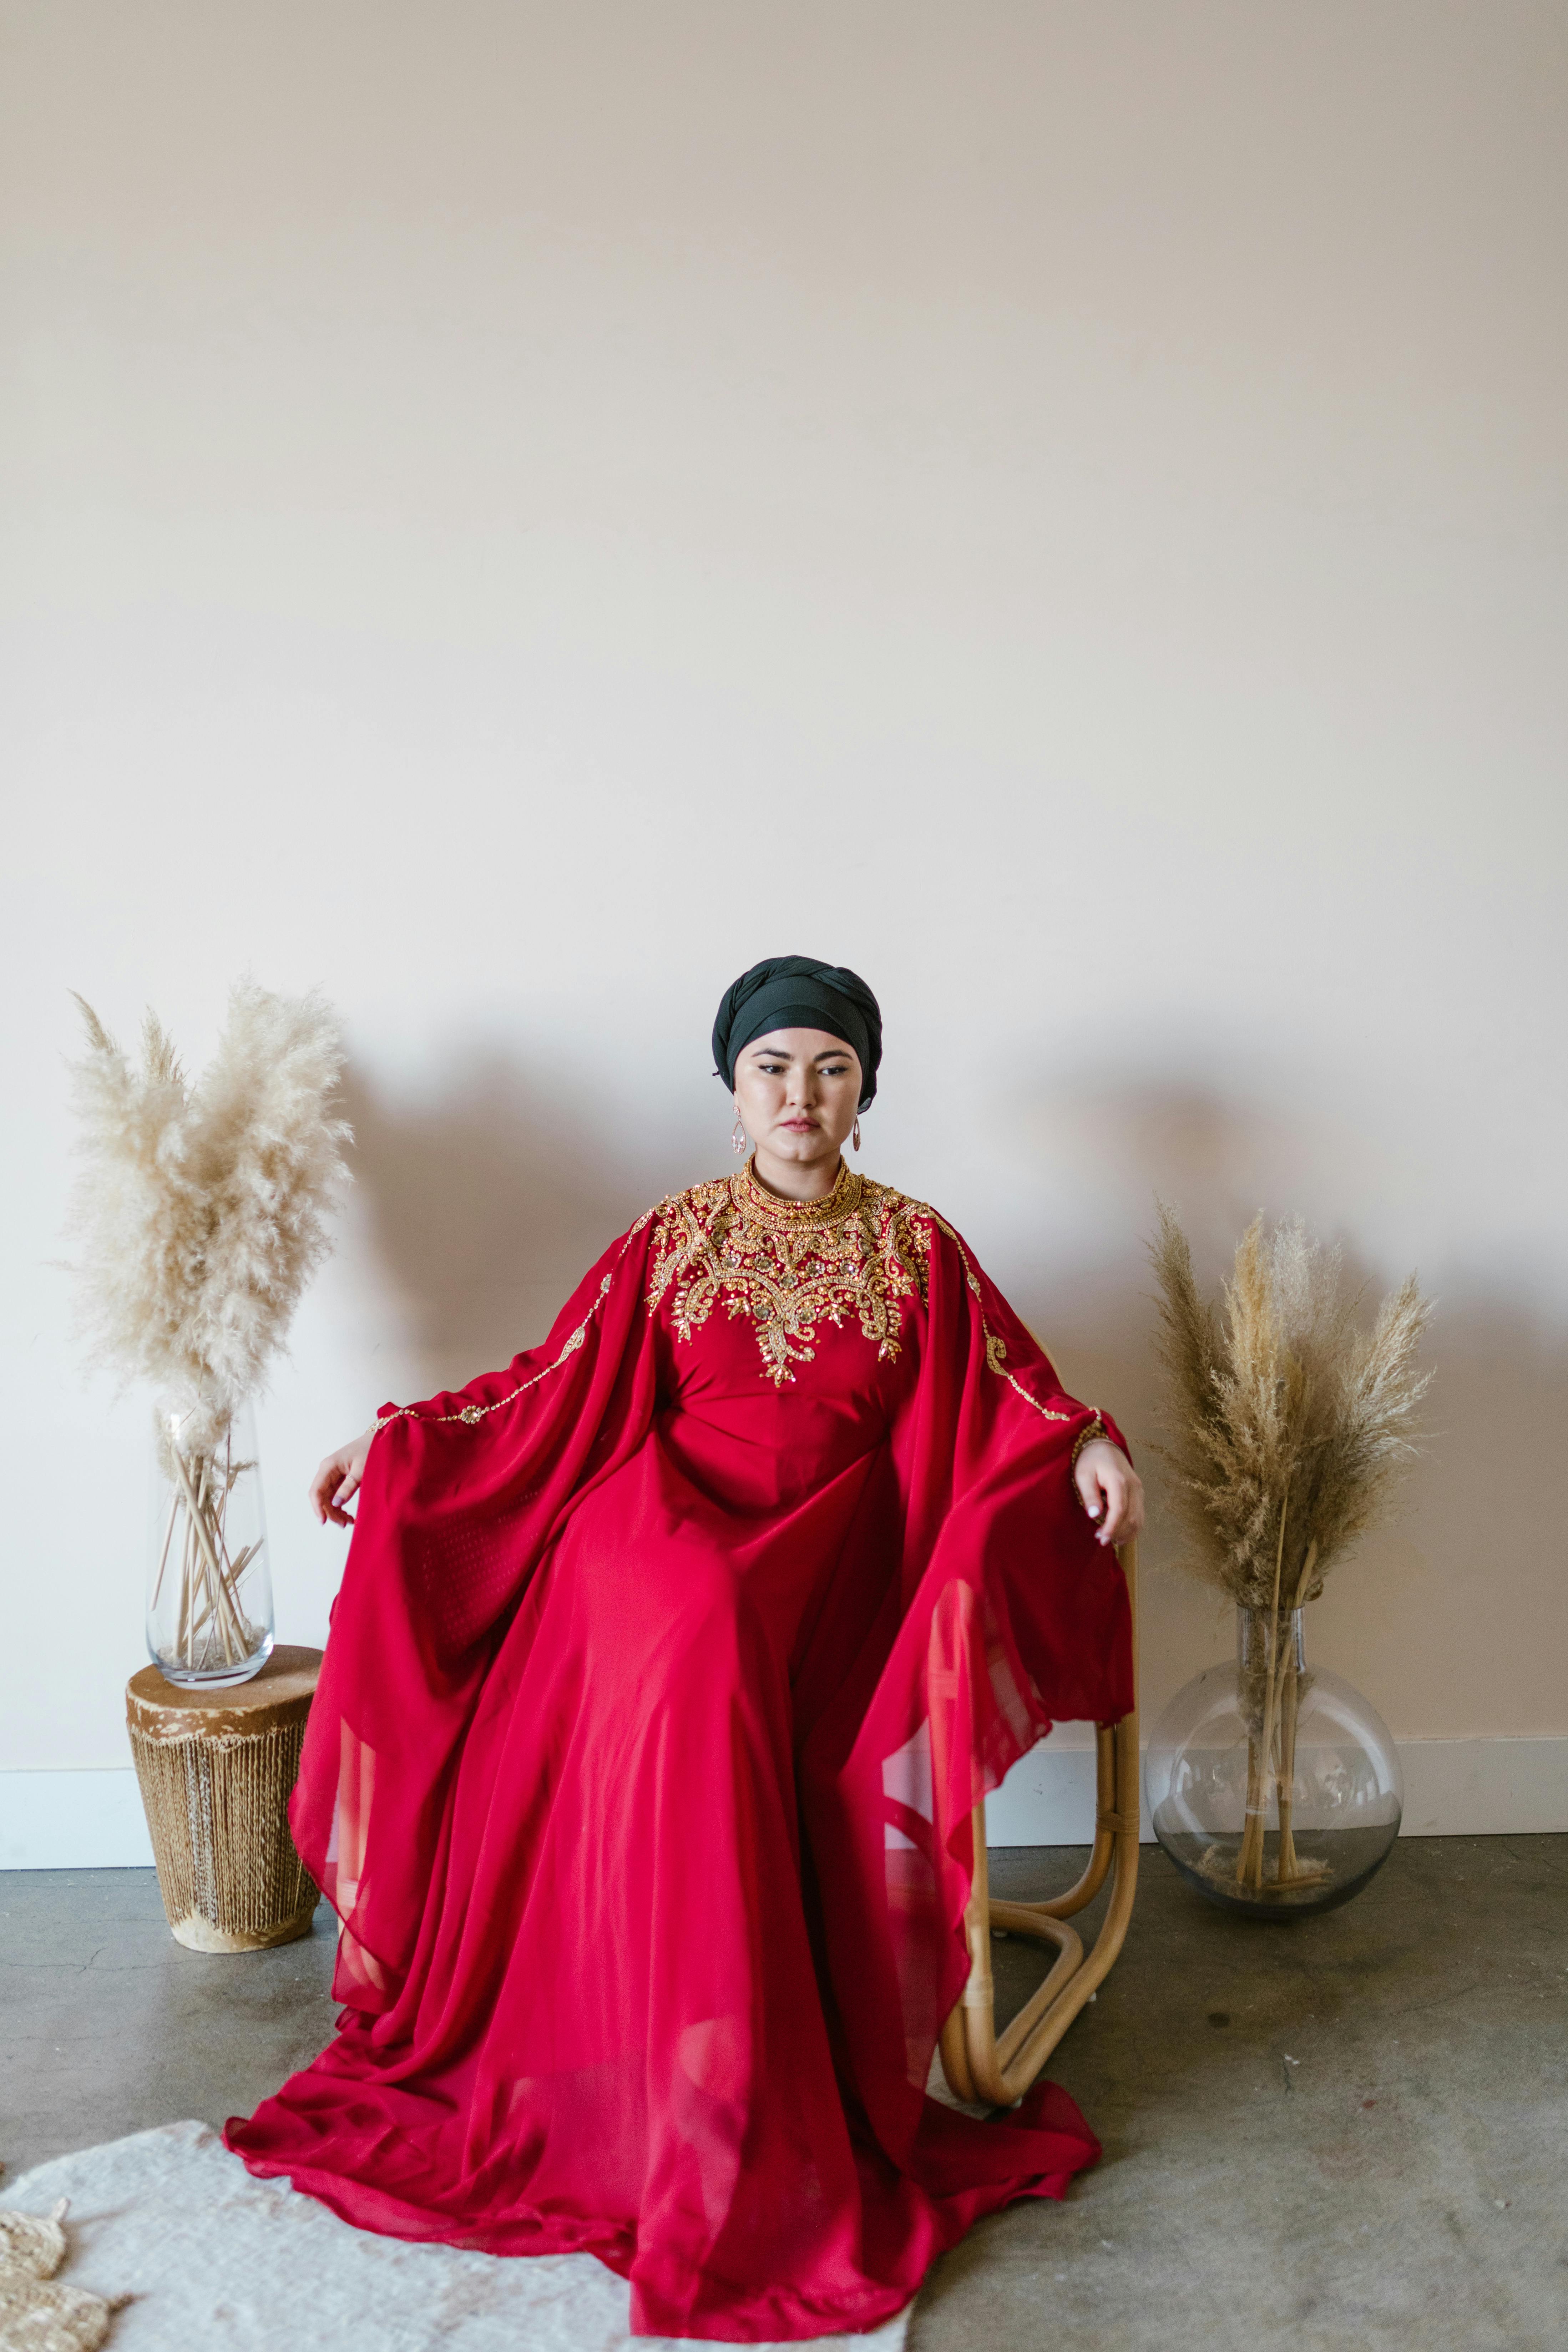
(1286, 1425)
(202, 1209)
(1287, 1428)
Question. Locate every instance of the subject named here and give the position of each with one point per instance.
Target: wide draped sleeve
(462, 1495)
(1007, 1616)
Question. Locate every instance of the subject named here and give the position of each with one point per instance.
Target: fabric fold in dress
(667, 1668)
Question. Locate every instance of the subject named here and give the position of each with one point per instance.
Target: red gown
(667, 1668)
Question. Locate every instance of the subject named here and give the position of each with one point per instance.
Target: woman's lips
(801, 1126)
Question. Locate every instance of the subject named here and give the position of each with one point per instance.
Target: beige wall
(511, 512)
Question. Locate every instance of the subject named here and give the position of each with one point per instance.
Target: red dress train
(667, 1668)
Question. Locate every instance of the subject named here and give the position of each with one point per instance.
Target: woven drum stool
(216, 1767)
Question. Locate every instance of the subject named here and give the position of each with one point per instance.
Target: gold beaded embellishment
(1089, 1436)
(790, 1265)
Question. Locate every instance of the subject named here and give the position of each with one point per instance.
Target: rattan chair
(994, 2069)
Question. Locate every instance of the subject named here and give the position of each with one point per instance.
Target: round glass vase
(1275, 1789)
(209, 1588)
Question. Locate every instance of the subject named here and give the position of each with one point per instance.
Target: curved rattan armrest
(979, 2065)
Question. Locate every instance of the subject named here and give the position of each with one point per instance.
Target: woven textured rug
(213, 2258)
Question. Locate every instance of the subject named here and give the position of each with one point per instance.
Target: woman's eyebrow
(783, 1054)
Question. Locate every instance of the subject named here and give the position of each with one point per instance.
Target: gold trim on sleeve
(995, 1346)
(1090, 1434)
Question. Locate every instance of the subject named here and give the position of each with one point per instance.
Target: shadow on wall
(488, 1203)
(1411, 1615)
(1118, 1149)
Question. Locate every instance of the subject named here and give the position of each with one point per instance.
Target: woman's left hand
(1111, 1491)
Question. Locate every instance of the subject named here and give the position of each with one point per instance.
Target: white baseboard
(72, 1821)
(1453, 1788)
(1048, 1799)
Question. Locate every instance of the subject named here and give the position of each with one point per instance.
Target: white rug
(219, 2261)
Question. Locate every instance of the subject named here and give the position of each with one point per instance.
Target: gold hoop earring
(855, 1133)
(737, 1135)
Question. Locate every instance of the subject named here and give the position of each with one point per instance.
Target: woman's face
(797, 1091)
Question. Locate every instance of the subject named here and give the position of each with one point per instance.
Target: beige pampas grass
(202, 1209)
(201, 1213)
(1287, 1427)
(1282, 1414)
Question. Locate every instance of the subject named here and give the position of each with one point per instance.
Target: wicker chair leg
(981, 2066)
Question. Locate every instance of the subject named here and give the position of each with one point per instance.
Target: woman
(668, 1666)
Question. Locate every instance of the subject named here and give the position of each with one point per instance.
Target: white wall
(511, 512)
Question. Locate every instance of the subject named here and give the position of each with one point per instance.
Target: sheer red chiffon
(667, 1668)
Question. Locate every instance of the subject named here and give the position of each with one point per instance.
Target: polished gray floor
(1346, 2134)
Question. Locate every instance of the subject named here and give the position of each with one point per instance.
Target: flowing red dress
(667, 1668)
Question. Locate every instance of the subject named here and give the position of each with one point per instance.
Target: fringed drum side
(215, 1772)
(228, 1871)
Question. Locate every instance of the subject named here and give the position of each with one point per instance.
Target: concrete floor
(1342, 2135)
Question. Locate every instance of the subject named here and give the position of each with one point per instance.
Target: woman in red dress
(667, 1668)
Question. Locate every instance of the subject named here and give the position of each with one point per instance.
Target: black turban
(800, 992)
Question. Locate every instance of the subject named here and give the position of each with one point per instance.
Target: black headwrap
(800, 992)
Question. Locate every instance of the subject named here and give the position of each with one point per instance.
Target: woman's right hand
(337, 1481)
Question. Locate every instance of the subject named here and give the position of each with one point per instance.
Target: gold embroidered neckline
(858, 1255)
(753, 1198)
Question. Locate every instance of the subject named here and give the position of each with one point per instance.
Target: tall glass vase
(1275, 1789)
(209, 1586)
